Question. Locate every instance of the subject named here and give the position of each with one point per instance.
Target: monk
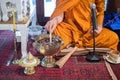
(71, 20)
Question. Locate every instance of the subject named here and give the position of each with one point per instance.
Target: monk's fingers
(53, 25)
(97, 31)
(52, 28)
(47, 26)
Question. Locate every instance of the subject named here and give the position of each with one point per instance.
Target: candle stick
(14, 21)
(15, 40)
(50, 35)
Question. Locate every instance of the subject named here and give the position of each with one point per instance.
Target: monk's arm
(62, 6)
(100, 11)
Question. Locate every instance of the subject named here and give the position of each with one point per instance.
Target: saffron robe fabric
(76, 25)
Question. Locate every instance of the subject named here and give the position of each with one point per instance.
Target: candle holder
(29, 63)
(48, 48)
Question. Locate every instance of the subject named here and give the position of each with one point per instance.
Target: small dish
(113, 62)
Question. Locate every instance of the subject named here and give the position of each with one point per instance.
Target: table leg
(24, 40)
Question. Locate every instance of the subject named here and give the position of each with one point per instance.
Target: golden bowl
(43, 45)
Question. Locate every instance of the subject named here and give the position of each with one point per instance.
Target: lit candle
(14, 21)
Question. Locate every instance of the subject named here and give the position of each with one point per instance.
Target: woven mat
(76, 68)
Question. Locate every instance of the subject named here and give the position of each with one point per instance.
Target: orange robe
(75, 27)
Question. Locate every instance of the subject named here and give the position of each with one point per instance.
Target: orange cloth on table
(75, 28)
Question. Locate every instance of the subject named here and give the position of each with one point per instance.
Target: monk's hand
(98, 30)
(51, 24)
